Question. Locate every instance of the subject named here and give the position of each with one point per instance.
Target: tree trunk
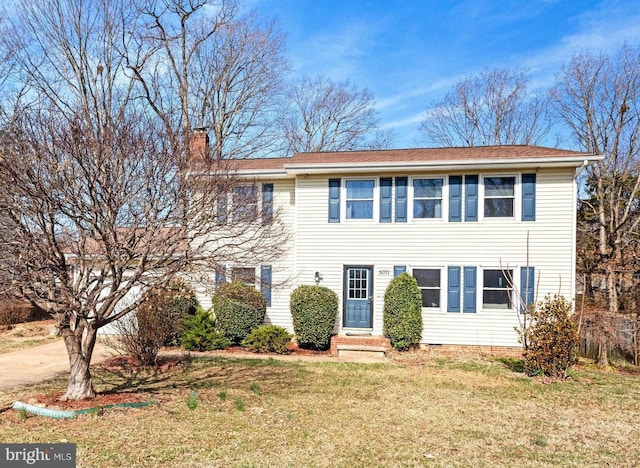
(603, 359)
(79, 344)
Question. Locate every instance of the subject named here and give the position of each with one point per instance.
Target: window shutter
(267, 203)
(455, 198)
(453, 292)
(528, 197)
(265, 282)
(386, 185)
(527, 285)
(401, 199)
(469, 300)
(334, 200)
(220, 275)
(398, 270)
(471, 198)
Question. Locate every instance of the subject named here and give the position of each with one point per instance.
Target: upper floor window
(429, 284)
(427, 198)
(499, 197)
(497, 289)
(245, 203)
(360, 198)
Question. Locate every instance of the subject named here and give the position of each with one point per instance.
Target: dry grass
(422, 410)
(25, 335)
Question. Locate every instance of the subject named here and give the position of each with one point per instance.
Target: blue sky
(412, 52)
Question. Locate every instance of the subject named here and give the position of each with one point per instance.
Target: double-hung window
(427, 198)
(360, 198)
(245, 203)
(429, 284)
(499, 197)
(497, 289)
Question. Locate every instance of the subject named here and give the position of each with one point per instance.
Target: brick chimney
(198, 146)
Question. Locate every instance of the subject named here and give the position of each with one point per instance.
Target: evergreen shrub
(314, 310)
(402, 312)
(268, 339)
(238, 309)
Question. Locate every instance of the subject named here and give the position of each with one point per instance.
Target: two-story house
(482, 230)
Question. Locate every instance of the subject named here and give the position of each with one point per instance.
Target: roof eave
(402, 166)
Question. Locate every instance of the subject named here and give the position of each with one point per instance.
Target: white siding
(283, 271)
(319, 246)
(489, 243)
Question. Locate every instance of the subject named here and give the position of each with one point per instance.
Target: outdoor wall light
(317, 277)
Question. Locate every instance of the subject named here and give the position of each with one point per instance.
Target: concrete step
(361, 351)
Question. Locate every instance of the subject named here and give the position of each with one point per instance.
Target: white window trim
(444, 205)
(480, 290)
(376, 200)
(517, 199)
(442, 284)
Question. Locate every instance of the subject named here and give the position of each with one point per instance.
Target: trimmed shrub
(238, 309)
(199, 333)
(551, 339)
(156, 322)
(402, 313)
(268, 339)
(314, 310)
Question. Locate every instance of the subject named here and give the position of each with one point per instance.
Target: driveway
(39, 363)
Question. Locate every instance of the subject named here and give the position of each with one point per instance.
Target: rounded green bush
(402, 313)
(268, 339)
(238, 309)
(314, 310)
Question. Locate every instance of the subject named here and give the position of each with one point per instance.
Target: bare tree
(493, 108)
(199, 65)
(327, 116)
(598, 98)
(94, 189)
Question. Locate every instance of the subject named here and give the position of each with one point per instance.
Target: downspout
(579, 170)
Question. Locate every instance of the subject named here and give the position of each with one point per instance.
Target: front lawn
(421, 411)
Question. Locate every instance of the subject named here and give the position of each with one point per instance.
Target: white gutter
(319, 168)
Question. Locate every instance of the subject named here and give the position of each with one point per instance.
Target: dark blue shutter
(220, 275)
(265, 282)
(471, 198)
(527, 285)
(401, 199)
(469, 295)
(528, 197)
(455, 198)
(334, 200)
(453, 289)
(267, 203)
(386, 185)
(398, 270)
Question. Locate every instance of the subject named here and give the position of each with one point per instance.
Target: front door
(358, 287)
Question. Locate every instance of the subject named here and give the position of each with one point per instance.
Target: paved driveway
(39, 363)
